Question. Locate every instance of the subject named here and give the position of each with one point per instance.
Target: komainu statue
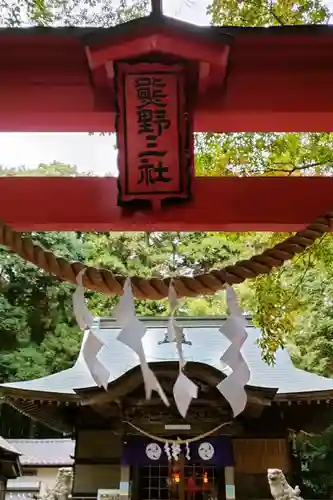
(62, 488)
(280, 489)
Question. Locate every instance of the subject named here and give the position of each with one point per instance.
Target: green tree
(35, 308)
(70, 12)
(160, 255)
(268, 13)
(270, 154)
(315, 454)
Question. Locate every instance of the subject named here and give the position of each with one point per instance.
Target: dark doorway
(153, 482)
(179, 481)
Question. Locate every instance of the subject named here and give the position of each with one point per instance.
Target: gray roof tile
(208, 344)
(6, 446)
(44, 452)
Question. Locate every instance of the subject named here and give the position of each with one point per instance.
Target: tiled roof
(6, 446)
(44, 452)
(22, 485)
(207, 345)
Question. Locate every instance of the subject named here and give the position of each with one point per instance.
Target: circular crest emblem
(153, 451)
(206, 451)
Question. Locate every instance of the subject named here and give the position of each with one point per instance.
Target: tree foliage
(269, 154)
(268, 13)
(159, 255)
(37, 329)
(99, 13)
(315, 453)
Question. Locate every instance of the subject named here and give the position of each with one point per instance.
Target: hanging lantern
(176, 477)
(205, 478)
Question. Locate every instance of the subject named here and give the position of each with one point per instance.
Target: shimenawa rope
(177, 441)
(104, 281)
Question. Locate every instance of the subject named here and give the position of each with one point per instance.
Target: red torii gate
(237, 80)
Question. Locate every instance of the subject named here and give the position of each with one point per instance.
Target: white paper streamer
(184, 389)
(83, 317)
(167, 451)
(175, 451)
(187, 451)
(233, 386)
(131, 334)
(91, 348)
(92, 345)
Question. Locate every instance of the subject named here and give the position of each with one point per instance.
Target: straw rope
(104, 281)
(177, 441)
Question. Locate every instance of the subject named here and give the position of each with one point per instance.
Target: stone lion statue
(280, 488)
(62, 488)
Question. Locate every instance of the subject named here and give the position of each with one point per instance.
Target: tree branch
(296, 168)
(273, 13)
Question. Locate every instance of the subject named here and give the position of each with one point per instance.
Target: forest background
(293, 306)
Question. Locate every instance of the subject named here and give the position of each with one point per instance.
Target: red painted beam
(219, 204)
(214, 121)
(272, 85)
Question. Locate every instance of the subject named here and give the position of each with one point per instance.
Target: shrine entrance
(193, 470)
(178, 481)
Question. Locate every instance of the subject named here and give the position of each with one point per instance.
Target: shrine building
(10, 466)
(112, 453)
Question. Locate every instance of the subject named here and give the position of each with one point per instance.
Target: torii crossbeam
(218, 204)
(230, 79)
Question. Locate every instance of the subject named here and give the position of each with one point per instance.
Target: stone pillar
(229, 477)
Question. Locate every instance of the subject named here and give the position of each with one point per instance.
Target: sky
(95, 153)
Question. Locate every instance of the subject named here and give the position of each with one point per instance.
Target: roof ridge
(37, 440)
